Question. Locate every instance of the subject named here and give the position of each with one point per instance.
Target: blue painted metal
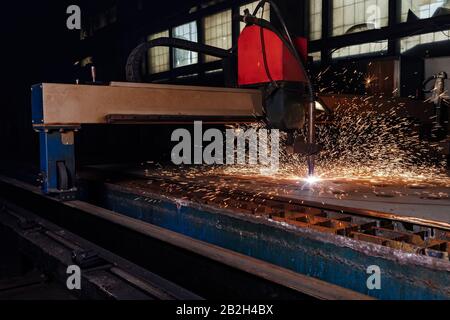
(52, 149)
(37, 105)
(336, 260)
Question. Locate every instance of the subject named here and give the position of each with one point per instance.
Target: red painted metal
(281, 62)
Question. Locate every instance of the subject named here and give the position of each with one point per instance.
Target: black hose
(424, 85)
(134, 63)
(291, 45)
(311, 95)
(264, 51)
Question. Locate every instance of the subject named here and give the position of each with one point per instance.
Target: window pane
(158, 57)
(217, 29)
(352, 15)
(315, 25)
(424, 9)
(317, 56)
(188, 32)
(411, 42)
(372, 47)
(252, 6)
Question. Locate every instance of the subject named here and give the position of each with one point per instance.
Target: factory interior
(225, 150)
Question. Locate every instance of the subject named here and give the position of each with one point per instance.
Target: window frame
(203, 65)
(198, 39)
(206, 58)
(147, 61)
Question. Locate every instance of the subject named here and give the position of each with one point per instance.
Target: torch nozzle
(312, 136)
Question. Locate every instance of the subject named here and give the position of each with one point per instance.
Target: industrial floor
(32, 287)
(209, 206)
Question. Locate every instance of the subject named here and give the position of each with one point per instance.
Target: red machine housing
(281, 63)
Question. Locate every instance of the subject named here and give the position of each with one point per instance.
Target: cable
(291, 43)
(264, 52)
(133, 66)
(426, 82)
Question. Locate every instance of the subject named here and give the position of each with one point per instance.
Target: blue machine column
(57, 156)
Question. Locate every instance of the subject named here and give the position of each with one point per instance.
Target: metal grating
(420, 239)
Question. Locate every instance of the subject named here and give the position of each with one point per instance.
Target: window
(217, 29)
(316, 56)
(188, 32)
(359, 15)
(252, 6)
(372, 47)
(410, 42)
(351, 16)
(315, 14)
(158, 57)
(424, 9)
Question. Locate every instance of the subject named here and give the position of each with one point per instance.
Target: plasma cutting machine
(274, 88)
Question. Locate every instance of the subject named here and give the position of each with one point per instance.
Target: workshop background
(38, 47)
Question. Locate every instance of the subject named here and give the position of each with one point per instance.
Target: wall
(36, 47)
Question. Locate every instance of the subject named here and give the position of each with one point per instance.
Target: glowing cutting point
(312, 179)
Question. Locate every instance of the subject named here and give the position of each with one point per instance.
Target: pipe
(437, 91)
(134, 62)
(311, 136)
